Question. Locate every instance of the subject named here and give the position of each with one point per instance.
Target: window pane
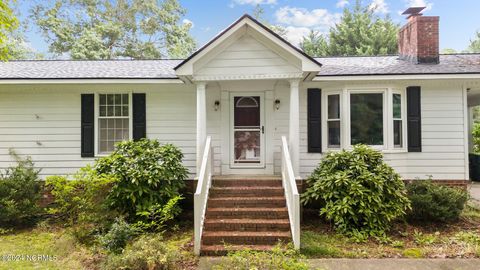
(125, 99)
(118, 99)
(110, 99)
(103, 110)
(109, 110)
(397, 106)
(118, 111)
(103, 99)
(333, 106)
(333, 134)
(366, 114)
(125, 110)
(397, 133)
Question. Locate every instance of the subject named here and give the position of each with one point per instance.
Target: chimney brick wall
(418, 40)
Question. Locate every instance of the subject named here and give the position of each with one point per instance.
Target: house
(253, 113)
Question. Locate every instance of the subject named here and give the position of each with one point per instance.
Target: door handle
(263, 130)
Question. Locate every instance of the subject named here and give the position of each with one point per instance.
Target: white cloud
(420, 3)
(379, 6)
(187, 21)
(342, 3)
(318, 18)
(295, 34)
(254, 2)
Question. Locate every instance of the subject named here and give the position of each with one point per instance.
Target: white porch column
(294, 126)
(201, 121)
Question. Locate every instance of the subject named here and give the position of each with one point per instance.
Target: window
(366, 118)
(397, 120)
(113, 121)
(333, 121)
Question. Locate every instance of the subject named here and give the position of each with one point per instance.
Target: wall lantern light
(277, 104)
(216, 105)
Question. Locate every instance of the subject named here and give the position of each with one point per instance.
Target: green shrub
(149, 176)
(118, 236)
(278, 258)
(158, 215)
(147, 252)
(358, 192)
(82, 199)
(432, 202)
(476, 137)
(20, 191)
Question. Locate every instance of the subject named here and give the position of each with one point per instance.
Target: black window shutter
(88, 126)
(139, 117)
(314, 120)
(414, 123)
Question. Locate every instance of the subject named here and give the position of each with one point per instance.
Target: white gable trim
(186, 68)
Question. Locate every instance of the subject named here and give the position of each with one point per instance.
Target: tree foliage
(359, 32)
(474, 46)
(93, 29)
(8, 24)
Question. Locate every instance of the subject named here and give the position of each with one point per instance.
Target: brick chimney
(418, 40)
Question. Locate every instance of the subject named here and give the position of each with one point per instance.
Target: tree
(449, 51)
(258, 13)
(92, 29)
(359, 32)
(474, 46)
(8, 24)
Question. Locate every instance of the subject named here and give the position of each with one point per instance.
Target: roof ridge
(92, 60)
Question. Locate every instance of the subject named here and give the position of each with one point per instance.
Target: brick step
(244, 238)
(222, 250)
(247, 183)
(276, 201)
(246, 191)
(245, 212)
(251, 225)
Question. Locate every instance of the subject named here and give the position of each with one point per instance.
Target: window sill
(385, 151)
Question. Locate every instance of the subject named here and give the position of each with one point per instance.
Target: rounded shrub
(148, 174)
(432, 202)
(358, 191)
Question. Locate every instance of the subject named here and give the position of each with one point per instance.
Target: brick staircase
(245, 212)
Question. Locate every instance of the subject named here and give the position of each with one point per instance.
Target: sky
(458, 19)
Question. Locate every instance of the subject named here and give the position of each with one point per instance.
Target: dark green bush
(149, 176)
(358, 191)
(432, 202)
(83, 199)
(20, 191)
(118, 236)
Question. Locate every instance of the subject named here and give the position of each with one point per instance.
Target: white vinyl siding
(443, 139)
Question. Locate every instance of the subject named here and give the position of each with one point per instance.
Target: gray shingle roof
(110, 69)
(164, 69)
(391, 65)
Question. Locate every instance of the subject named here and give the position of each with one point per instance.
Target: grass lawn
(66, 253)
(454, 240)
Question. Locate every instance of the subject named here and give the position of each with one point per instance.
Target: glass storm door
(248, 130)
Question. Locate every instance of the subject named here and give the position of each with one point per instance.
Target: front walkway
(376, 264)
(395, 264)
(475, 192)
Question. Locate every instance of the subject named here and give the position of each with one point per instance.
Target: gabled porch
(247, 82)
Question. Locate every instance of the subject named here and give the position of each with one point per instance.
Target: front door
(247, 131)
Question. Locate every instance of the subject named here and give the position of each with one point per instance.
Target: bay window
(373, 117)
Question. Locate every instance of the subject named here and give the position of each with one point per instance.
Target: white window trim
(345, 130)
(324, 113)
(97, 114)
(391, 146)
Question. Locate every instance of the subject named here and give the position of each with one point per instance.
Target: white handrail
(291, 193)
(201, 194)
